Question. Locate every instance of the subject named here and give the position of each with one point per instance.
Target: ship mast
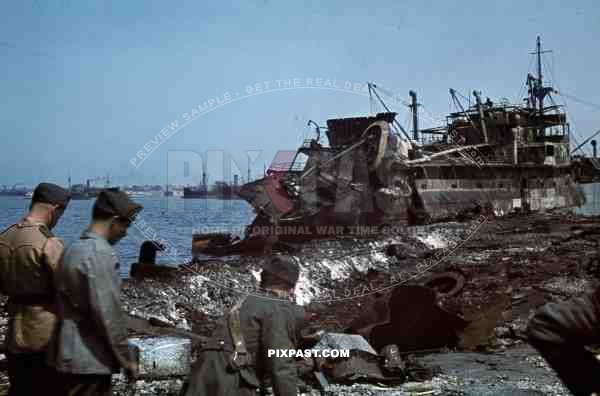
(372, 88)
(537, 91)
(540, 83)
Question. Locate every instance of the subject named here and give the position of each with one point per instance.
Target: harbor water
(165, 219)
(174, 220)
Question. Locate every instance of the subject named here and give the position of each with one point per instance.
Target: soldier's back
(264, 322)
(22, 270)
(29, 253)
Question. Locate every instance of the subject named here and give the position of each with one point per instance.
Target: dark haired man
(29, 255)
(87, 348)
(236, 361)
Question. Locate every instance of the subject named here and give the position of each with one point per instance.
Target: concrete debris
(359, 367)
(567, 286)
(351, 342)
(170, 387)
(161, 357)
(392, 362)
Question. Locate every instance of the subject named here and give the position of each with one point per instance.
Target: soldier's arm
(52, 252)
(105, 305)
(278, 332)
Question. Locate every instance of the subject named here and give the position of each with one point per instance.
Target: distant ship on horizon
(220, 190)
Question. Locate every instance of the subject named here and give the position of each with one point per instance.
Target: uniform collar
(89, 234)
(26, 221)
(273, 295)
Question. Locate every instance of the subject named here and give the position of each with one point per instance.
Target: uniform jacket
(29, 255)
(91, 319)
(266, 323)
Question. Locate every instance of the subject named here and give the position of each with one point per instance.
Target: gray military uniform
(91, 318)
(266, 323)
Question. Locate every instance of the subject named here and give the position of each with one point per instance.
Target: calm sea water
(171, 219)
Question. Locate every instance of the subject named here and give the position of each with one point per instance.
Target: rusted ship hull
(502, 189)
(490, 157)
(497, 190)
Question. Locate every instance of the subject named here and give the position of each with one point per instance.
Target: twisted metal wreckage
(491, 156)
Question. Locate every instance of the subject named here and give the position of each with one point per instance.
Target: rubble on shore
(510, 265)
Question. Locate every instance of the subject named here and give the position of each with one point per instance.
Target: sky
(86, 86)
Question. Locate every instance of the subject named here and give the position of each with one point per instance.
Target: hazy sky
(86, 85)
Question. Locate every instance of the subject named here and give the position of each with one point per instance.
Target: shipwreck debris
(410, 318)
(344, 341)
(361, 366)
(147, 264)
(392, 362)
(225, 244)
(214, 244)
(446, 284)
(488, 159)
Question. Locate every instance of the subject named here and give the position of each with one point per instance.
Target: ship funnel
(593, 143)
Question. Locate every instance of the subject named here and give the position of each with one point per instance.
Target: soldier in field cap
(236, 360)
(29, 255)
(88, 345)
(282, 268)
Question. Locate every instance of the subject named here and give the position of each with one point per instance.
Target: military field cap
(51, 193)
(284, 268)
(117, 203)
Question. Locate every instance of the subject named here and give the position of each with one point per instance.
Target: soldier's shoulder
(33, 230)
(7, 229)
(79, 249)
(294, 310)
(275, 306)
(103, 247)
(83, 252)
(4, 244)
(45, 231)
(9, 232)
(291, 312)
(56, 240)
(76, 256)
(53, 242)
(24, 232)
(54, 245)
(258, 305)
(97, 245)
(285, 304)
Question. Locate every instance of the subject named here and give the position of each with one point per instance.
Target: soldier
(29, 254)
(561, 331)
(88, 346)
(236, 362)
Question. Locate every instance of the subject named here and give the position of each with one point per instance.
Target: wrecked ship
(489, 157)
